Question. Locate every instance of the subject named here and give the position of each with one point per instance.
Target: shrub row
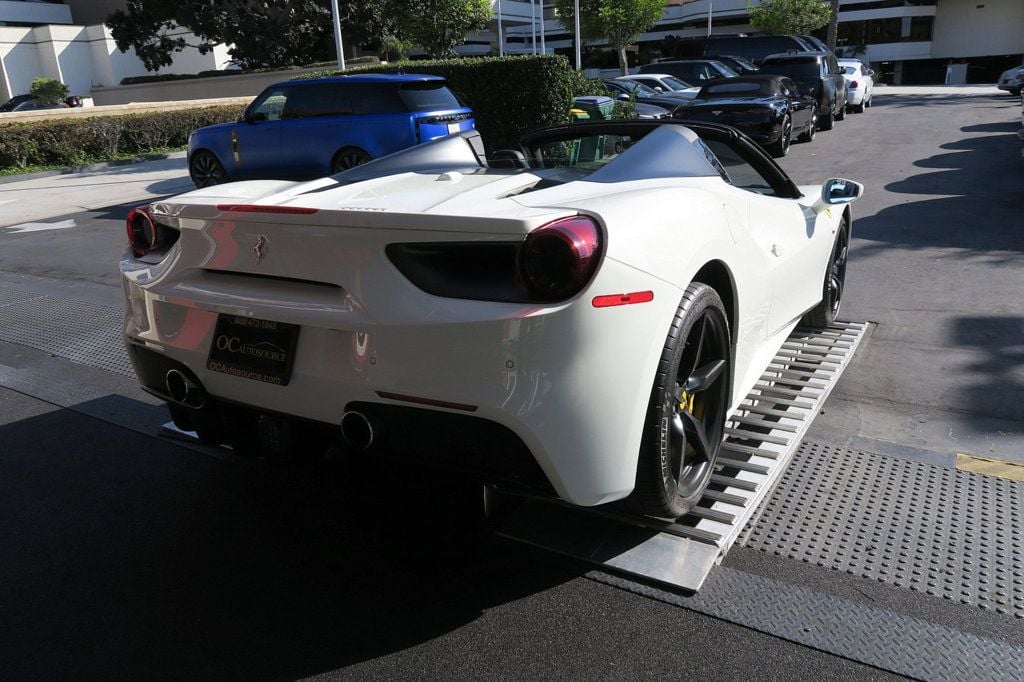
(136, 80)
(76, 141)
(508, 95)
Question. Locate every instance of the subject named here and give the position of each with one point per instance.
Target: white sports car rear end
(578, 322)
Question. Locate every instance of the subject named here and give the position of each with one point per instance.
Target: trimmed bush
(508, 95)
(77, 141)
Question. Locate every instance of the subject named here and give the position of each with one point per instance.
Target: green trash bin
(598, 107)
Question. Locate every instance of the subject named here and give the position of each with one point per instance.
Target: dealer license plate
(261, 350)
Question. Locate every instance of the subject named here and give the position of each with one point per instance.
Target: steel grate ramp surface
(762, 435)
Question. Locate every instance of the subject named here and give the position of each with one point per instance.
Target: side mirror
(835, 191)
(254, 117)
(622, 97)
(658, 88)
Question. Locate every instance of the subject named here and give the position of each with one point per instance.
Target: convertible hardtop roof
(370, 78)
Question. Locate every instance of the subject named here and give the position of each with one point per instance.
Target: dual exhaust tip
(357, 428)
(184, 390)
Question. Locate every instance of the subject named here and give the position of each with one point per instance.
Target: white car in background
(1012, 80)
(860, 84)
(664, 83)
(577, 315)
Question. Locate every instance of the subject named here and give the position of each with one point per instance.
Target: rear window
(733, 89)
(429, 96)
(794, 68)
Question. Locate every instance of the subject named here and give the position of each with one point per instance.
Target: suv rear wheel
(348, 157)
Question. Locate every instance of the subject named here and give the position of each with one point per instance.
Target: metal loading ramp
(761, 437)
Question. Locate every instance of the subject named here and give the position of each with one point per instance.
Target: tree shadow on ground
(1001, 369)
(138, 559)
(977, 205)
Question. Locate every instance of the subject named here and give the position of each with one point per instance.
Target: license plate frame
(251, 348)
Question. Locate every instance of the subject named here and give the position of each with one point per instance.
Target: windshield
(640, 89)
(675, 83)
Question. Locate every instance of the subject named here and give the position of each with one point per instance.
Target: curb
(92, 167)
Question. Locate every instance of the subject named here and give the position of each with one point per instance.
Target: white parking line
(40, 227)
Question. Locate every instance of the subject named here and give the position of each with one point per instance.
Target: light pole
(533, 26)
(501, 41)
(711, 6)
(338, 46)
(576, 22)
(543, 49)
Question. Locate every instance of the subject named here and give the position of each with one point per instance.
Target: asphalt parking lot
(128, 555)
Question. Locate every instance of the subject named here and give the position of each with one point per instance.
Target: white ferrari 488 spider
(577, 316)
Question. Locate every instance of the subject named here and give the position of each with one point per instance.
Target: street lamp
(576, 21)
(338, 46)
(501, 41)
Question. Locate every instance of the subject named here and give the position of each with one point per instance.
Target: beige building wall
(978, 28)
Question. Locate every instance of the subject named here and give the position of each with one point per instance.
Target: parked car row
(32, 103)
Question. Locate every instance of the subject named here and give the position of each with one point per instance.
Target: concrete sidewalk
(37, 199)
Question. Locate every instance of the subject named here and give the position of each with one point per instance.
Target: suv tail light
(145, 235)
(557, 260)
(854, 85)
(554, 262)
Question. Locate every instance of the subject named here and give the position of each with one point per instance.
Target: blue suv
(316, 127)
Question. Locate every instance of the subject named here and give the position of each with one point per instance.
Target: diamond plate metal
(927, 528)
(861, 632)
(81, 331)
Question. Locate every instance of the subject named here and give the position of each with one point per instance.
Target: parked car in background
(1012, 80)
(315, 127)
(651, 112)
(770, 109)
(816, 74)
(693, 71)
(32, 103)
(740, 65)
(624, 89)
(663, 83)
(754, 48)
(860, 84)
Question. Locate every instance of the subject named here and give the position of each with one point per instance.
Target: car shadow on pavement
(1001, 340)
(880, 98)
(129, 557)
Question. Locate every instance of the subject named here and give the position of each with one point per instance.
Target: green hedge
(508, 95)
(76, 141)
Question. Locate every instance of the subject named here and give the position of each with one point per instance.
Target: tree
(439, 25)
(263, 33)
(789, 16)
(48, 90)
(620, 22)
(833, 26)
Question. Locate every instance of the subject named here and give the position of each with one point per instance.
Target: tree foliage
(620, 22)
(439, 25)
(790, 16)
(263, 33)
(48, 90)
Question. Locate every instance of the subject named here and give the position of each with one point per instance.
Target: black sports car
(770, 109)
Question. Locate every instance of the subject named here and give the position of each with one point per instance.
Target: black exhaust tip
(358, 430)
(183, 390)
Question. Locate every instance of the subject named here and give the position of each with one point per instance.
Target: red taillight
(854, 85)
(142, 231)
(558, 259)
(253, 208)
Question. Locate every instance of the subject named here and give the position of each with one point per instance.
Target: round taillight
(854, 85)
(142, 233)
(557, 260)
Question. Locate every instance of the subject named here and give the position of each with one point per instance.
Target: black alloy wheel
(780, 147)
(349, 157)
(205, 170)
(825, 313)
(812, 129)
(686, 415)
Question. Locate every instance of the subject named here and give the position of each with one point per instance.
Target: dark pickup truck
(817, 74)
